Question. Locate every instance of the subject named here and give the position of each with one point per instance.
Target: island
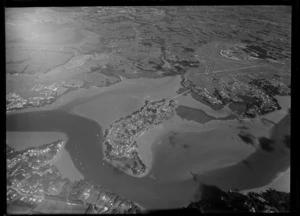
(120, 146)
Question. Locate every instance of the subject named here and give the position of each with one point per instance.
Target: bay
(213, 151)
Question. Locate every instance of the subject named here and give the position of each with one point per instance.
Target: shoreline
(146, 141)
(70, 97)
(280, 176)
(144, 151)
(149, 143)
(119, 165)
(133, 161)
(146, 145)
(14, 138)
(65, 164)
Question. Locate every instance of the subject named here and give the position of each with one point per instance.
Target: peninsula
(120, 146)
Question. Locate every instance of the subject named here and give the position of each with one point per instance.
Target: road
(25, 194)
(219, 71)
(211, 59)
(179, 94)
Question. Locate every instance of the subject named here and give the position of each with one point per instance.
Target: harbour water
(174, 151)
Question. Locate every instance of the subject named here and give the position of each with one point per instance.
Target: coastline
(71, 97)
(282, 176)
(62, 159)
(173, 122)
(120, 166)
(260, 169)
(88, 110)
(145, 144)
(31, 139)
(76, 78)
(145, 147)
(65, 164)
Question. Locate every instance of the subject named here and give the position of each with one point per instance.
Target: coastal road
(179, 94)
